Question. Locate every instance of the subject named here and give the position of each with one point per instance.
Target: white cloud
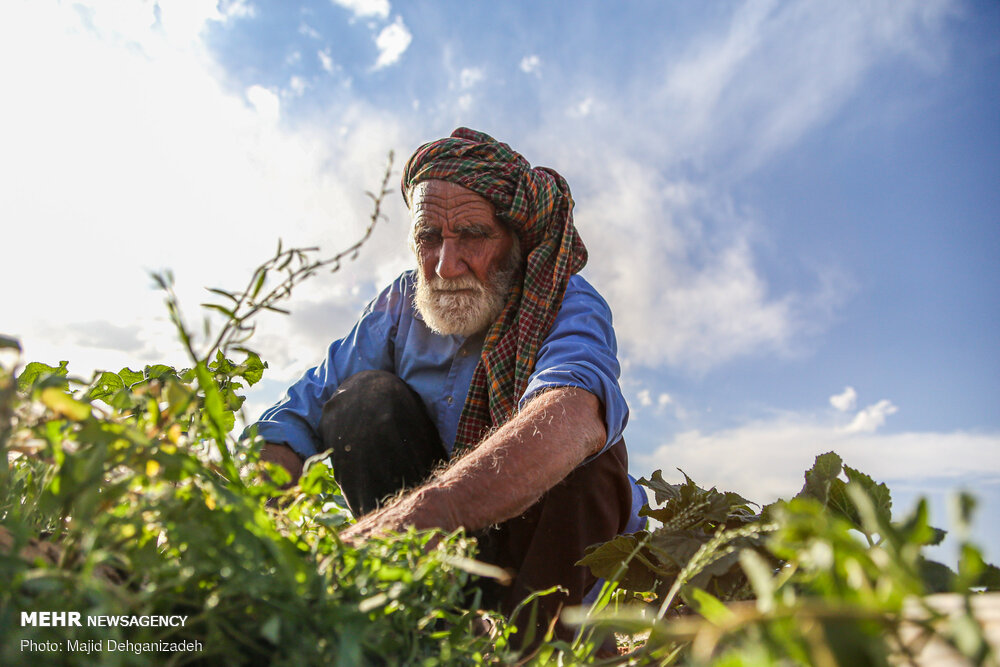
(469, 77)
(266, 103)
(653, 183)
(392, 42)
(871, 418)
(646, 399)
(530, 64)
(214, 164)
(309, 31)
(845, 401)
(158, 164)
(326, 61)
(582, 108)
(764, 460)
(708, 303)
(779, 70)
(297, 86)
(366, 8)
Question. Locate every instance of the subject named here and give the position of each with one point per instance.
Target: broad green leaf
(610, 561)
(989, 578)
(825, 469)
(840, 503)
(252, 369)
(105, 386)
(915, 529)
(674, 549)
(937, 577)
(158, 371)
(662, 490)
(318, 478)
(130, 377)
(36, 371)
(878, 492)
(64, 405)
(691, 507)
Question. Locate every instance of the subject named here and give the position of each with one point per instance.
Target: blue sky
(792, 207)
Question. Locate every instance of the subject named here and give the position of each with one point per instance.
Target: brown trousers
(382, 440)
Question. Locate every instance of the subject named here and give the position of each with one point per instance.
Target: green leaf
(878, 492)
(222, 292)
(130, 377)
(840, 503)
(707, 605)
(610, 561)
(674, 549)
(8, 342)
(662, 490)
(105, 386)
(690, 507)
(36, 371)
(989, 578)
(761, 578)
(259, 284)
(825, 469)
(937, 577)
(222, 309)
(915, 529)
(159, 371)
(318, 478)
(252, 369)
(271, 630)
(215, 412)
(64, 405)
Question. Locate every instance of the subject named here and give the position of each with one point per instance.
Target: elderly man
(484, 383)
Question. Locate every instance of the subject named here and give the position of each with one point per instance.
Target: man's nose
(450, 264)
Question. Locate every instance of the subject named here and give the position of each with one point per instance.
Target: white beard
(447, 311)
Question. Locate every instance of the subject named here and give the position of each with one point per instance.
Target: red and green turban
(537, 204)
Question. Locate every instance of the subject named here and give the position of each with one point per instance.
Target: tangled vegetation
(128, 496)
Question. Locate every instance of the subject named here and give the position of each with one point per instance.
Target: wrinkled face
(467, 260)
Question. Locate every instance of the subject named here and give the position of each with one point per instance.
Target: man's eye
(428, 237)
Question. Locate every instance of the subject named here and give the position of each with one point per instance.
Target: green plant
(128, 497)
(833, 579)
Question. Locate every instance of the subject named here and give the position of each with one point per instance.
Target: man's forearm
(505, 474)
(284, 456)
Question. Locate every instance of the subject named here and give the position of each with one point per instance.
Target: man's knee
(369, 390)
(372, 399)
(380, 437)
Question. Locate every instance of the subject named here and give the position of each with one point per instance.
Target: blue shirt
(580, 351)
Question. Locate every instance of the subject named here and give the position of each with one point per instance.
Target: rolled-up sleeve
(294, 420)
(581, 351)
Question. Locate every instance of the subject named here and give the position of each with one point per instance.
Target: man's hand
(506, 474)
